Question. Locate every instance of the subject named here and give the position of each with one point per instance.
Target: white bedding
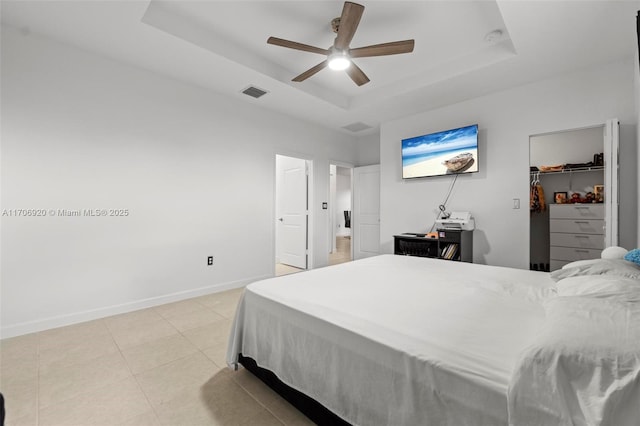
(395, 340)
(583, 366)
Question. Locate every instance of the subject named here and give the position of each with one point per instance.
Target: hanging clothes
(541, 202)
(534, 200)
(536, 196)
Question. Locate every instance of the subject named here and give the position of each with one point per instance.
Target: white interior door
(365, 218)
(293, 211)
(611, 178)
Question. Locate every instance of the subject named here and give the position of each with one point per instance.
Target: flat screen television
(452, 151)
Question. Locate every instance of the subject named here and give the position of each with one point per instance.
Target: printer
(461, 221)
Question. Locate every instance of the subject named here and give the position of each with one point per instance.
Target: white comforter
(395, 340)
(583, 367)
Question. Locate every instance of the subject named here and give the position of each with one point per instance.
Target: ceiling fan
(340, 55)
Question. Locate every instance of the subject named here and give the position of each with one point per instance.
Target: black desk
(454, 245)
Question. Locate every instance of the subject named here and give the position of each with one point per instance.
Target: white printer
(461, 221)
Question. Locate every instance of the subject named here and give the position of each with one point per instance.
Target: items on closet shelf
(598, 161)
(536, 196)
(556, 168)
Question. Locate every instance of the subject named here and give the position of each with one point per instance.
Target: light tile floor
(343, 251)
(340, 255)
(282, 269)
(158, 366)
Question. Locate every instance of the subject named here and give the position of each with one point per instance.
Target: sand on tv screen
(448, 152)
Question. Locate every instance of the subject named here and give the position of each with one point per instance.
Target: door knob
(281, 220)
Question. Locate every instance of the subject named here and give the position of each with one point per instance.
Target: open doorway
(574, 205)
(292, 215)
(340, 214)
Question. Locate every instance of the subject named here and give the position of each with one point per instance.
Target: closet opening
(572, 189)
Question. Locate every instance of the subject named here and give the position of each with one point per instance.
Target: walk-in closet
(569, 217)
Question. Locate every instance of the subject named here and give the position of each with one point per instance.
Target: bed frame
(311, 408)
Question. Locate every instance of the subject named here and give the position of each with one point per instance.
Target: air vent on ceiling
(356, 127)
(254, 92)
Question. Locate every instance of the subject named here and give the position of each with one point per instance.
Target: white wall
(195, 171)
(506, 120)
(567, 147)
(368, 150)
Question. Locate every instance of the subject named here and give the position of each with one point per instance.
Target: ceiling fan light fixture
(339, 61)
(339, 56)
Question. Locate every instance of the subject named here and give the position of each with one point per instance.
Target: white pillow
(613, 252)
(618, 267)
(599, 286)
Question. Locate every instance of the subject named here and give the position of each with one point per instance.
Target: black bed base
(311, 408)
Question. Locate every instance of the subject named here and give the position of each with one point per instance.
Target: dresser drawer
(577, 226)
(576, 211)
(557, 264)
(577, 240)
(571, 254)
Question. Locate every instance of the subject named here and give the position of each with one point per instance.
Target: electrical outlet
(210, 260)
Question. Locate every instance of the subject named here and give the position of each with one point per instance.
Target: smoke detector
(493, 36)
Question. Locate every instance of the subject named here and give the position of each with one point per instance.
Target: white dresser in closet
(576, 233)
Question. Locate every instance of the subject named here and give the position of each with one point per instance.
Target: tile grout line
(75, 395)
(104, 323)
(146, 397)
(255, 398)
(135, 376)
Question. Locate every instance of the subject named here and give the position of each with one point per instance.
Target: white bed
(397, 340)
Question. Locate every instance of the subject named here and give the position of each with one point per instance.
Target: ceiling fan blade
(349, 20)
(295, 45)
(357, 75)
(392, 48)
(311, 71)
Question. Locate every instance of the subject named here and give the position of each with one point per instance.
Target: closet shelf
(573, 170)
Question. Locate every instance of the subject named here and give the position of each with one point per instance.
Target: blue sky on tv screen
(441, 142)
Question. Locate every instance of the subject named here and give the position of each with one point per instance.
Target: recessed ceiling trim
(162, 16)
(490, 55)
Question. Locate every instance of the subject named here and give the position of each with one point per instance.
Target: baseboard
(78, 317)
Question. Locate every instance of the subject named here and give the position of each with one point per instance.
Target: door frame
(330, 219)
(310, 200)
(611, 145)
(611, 181)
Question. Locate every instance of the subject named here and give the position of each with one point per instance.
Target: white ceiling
(221, 45)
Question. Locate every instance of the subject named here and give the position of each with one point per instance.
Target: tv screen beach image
(448, 152)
